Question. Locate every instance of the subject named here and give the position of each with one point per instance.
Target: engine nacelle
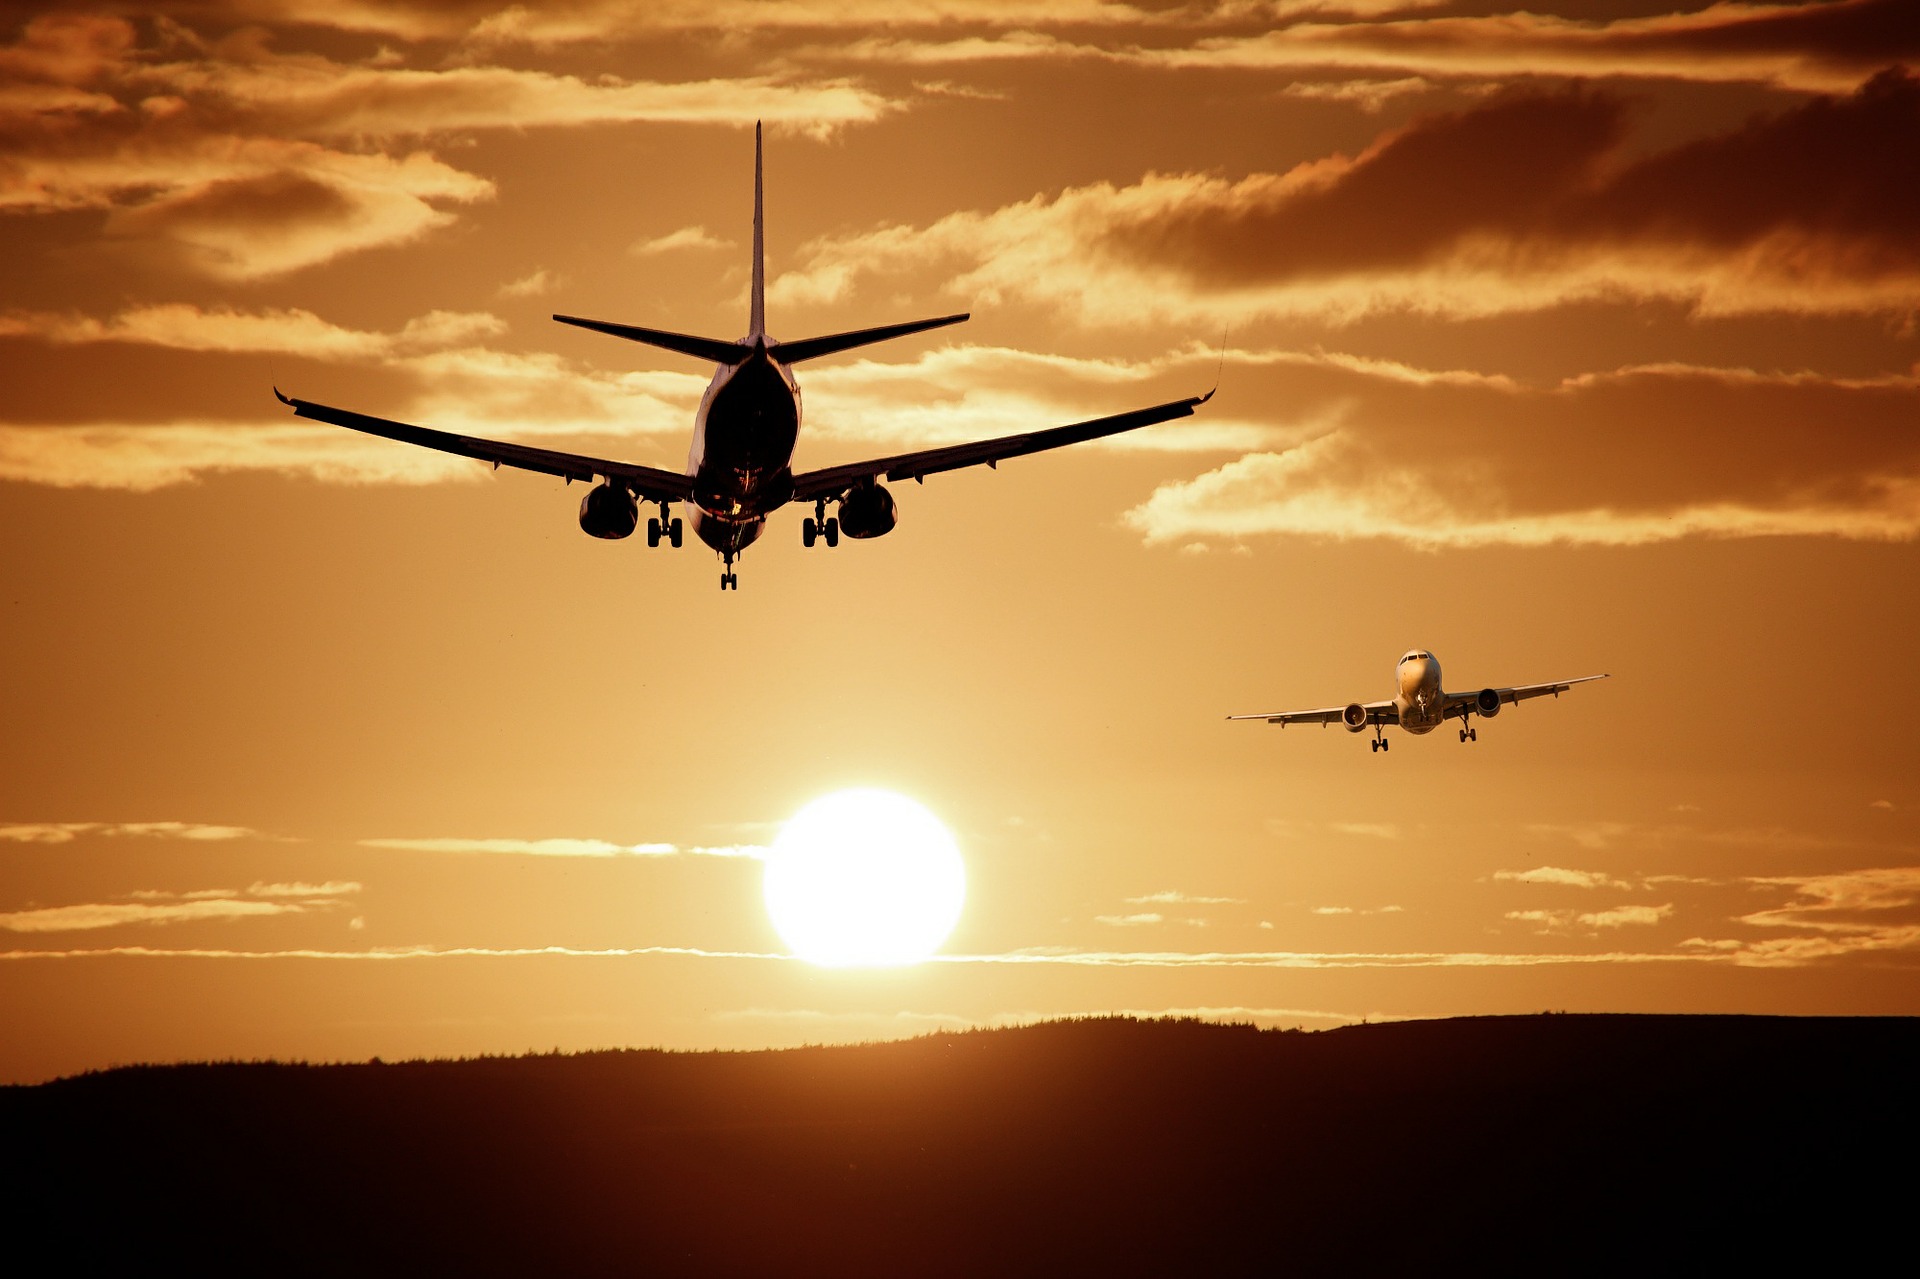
(1486, 703)
(868, 511)
(609, 511)
(1354, 717)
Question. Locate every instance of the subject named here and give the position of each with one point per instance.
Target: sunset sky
(1574, 340)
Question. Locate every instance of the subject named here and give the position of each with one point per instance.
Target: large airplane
(1421, 705)
(740, 467)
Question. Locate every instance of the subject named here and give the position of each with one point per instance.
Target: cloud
(1832, 916)
(1131, 921)
(67, 832)
(1367, 830)
(1469, 462)
(565, 848)
(332, 888)
(1172, 898)
(1352, 910)
(396, 953)
(49, 919)
(150, 906)
(1881, 803)
(1620, 916)
(234, 161)
(481, 23)
(687, 237)
(291, 331)
(1528, 201)
(1819, 46)
(1563, 920)
(1062, 957)
(1560, 875)
(142, 458)
(530, 286)
(1369, 95)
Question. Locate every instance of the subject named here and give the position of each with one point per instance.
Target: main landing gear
(820, 525)
(1467, 733)
(664, 525)
(1380, 742)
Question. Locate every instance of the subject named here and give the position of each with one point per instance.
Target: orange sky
(1557, 343)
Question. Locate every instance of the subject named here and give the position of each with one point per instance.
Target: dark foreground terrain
(1550, 1144)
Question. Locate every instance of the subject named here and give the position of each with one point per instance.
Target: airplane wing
(1457, 703)
(1377, 713)
(649, 483)
(835, 480)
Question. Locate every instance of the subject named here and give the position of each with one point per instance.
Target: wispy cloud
(1131, 921)
(532, 285)
(151, 906)
(67, 832)
(1620, 916)
(182, 327)
(1367, 830)
(233, 160)
(1552, 921)
(687, 237)
(565, 848)
(1545, 207)
(1173, 898)
(1816, 45)
(1561, 875)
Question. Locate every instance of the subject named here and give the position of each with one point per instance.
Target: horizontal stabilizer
(812, 348)
(702, 348)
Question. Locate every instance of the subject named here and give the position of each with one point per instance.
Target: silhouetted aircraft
(739, 470)
(1421, 705)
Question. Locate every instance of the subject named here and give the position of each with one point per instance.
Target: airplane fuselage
(1418, 698)
(741, 459)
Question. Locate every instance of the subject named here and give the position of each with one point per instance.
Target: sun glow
(864, 878)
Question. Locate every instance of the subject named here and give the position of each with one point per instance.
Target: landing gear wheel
(1374, 744)
(653, 531)
(1473, 734)
(808, 531)
(832, 531)
(1463, 735)
(1385, 745)
(673, 532)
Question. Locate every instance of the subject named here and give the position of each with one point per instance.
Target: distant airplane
(739, 470)
(1421, 705)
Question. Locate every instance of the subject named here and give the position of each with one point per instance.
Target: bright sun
(864, 878)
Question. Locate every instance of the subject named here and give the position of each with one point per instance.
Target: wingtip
(283, 399)
(1208, 396)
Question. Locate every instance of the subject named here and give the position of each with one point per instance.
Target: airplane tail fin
(735, 352)
(757, 317)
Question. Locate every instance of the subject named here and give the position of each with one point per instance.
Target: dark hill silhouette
(1547, 1144)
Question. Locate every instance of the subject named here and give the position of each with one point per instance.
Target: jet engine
(868, 511)
(1354, 717)
(1486, 702)
(609, 511)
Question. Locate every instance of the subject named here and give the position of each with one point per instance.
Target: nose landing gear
(729, 580)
